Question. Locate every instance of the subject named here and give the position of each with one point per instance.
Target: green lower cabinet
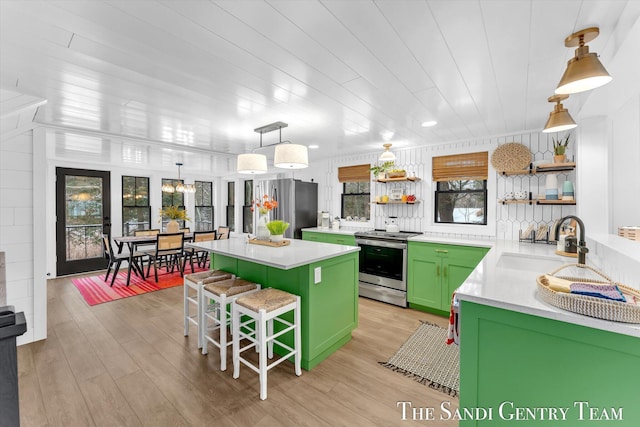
(527, 369)
(339, 239)
(435, 271)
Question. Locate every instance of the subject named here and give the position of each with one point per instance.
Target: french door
(83, 212)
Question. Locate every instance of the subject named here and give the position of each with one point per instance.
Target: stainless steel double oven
(383, 265)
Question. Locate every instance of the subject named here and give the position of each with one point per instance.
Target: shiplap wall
(16, 225)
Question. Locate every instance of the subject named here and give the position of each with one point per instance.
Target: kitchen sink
(529, 262)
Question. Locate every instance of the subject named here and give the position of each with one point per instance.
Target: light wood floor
(127, 363)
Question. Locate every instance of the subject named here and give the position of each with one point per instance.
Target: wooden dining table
(132, 243)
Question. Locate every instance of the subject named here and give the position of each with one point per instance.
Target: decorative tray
(269, 243)
(617, 311)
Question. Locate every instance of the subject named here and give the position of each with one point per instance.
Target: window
(355, 199)
(136, 211)
(247, 215)
(204, 206)
(356, 192)
(231, 197)
(461, 188)
(172, 199)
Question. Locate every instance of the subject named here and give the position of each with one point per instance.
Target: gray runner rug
(426, 358)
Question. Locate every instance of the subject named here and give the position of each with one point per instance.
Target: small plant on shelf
(560, 144)
(382, 168)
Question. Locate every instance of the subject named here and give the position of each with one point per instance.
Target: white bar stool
(222, 293)
(263, 307)
(195, 282)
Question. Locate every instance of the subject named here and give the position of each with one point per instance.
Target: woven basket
(591, 306)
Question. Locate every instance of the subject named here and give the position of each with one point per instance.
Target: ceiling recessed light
(429, 123)
(314, 146)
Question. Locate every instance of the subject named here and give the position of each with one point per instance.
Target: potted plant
(277, 229)
(381, 169)
(559, 147)
(174, 213)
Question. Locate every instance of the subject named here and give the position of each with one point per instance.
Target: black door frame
(64, 267)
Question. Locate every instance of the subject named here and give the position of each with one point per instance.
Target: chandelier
(180, 187)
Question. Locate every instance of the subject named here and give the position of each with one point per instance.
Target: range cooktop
(386, 235)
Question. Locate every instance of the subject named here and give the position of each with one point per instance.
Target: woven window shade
(358, 173)
(461, 166)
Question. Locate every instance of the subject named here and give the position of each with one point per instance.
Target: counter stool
(195, 282)
(263, 307)
(223, 293)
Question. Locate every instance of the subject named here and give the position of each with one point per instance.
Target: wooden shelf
(545, 168)
(405, 178)
(390, 202)
(537, 202)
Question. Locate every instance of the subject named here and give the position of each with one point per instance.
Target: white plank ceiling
(344, 74)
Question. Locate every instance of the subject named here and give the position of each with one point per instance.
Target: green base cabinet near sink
(517, 361)
(436, 270)
(339, 239)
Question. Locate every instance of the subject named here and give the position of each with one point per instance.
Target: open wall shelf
(546, 168)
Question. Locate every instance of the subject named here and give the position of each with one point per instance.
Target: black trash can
(12, 325)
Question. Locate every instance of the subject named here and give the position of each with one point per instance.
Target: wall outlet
(317, 275)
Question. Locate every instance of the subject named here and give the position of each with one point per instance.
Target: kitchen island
(518, 352)
(324, 275)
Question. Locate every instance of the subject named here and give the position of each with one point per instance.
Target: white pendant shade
(291, 156)
(251, 163)
(387, 156)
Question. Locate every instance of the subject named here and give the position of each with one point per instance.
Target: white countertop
(494, 284)
(452, 241)
(296, 254)
(342, 230)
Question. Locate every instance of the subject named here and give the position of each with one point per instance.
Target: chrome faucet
(582, 244)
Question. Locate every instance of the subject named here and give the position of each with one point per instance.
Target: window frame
(231, 205)
(125, 226)
(483, 191)
(247, 214)
(345, 195)
(200, 206)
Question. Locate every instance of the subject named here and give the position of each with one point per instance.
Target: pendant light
(180, 187)
(584, 71)
(286, 155)
(291, 156)
(387, 156)
(559, 119)
(252, 163)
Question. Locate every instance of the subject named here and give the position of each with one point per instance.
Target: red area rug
(95, 290)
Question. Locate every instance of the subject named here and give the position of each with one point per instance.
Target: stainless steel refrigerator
(297, 203)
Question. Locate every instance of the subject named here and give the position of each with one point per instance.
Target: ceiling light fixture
(584, 71)
(387, 156)
(429, 123)
(286, 156)
(180, 186)
(559, 118)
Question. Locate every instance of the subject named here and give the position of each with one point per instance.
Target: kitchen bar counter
(324, 275)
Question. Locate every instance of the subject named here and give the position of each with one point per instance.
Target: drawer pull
(444, 271)
(437, 270)
(442, 251)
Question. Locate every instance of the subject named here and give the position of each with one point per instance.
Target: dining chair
(201, 256)
(222, 233)
(115, 259)
(185, 230)
(151, 232)
(169, 247)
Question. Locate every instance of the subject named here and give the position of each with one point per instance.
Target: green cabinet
(339, 239)
(435, 271)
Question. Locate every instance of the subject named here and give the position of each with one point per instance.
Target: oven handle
(381, 243)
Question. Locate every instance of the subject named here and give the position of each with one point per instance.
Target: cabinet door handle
(444, 271)
(442, 251)
(437, 270)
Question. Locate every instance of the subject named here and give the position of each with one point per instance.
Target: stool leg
(223, 332)
(186, 309)
(204, 320)
(297, 338)
(199, 316)
(263, 355)
(270, 333)
(235, 337)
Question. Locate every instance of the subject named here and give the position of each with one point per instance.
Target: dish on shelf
(510, 157)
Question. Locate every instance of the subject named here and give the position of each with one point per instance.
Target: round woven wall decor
(511, 156)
